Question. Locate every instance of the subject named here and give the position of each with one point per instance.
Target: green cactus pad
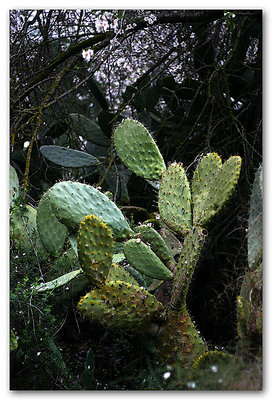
(213, 184)
(52, 232)
(118, 273)
(138, 151)
(255, 222)
(121, 305)
(13, 185)
(175, 199)
(23, 229)
(95, 249)
(58, 282)
(203, 177)
(157, 244)
(66, 157)
(72, 201)
(23, 224)
(142, 258)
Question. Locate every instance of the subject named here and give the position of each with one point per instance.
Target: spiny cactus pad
(142, 258)
(52, 232)
(157, 244)
(212, 185)
(138, 151)
(175, 199)
(118, 273)
(72, 201)
(23, 224)
(122, 305)
(23, 229)
(255, 222)
(95, 249)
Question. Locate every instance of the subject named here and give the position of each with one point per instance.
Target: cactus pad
(138, 151)
(157, 244)
(66, 157)
(121, 305)
(212, 185)
(255, 222)
(72, 201)
(118, 273)
(142, 258)
(95, 248)
(175, 199)
(52, 232)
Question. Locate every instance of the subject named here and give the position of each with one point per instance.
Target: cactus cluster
(186, 210)
(116, 298)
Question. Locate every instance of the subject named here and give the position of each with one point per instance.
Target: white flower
(150, 19)
(114, 25)
(191, 385)
(108, 15)
(105, 25)
(138, 240)
(87, 54)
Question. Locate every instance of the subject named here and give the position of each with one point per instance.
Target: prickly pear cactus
(192, 246)
(175, 199)
(23, 229)
(66, 157)
(142, 258)
(118, 273)
(72, 201)
(179, 340)
(63, 207)
(138, 151)
(122, 305)
(117, 300)
(212, 185)
(249, 302)
(95, 249)
(255, 222)
(157, 244)
(52, 232)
